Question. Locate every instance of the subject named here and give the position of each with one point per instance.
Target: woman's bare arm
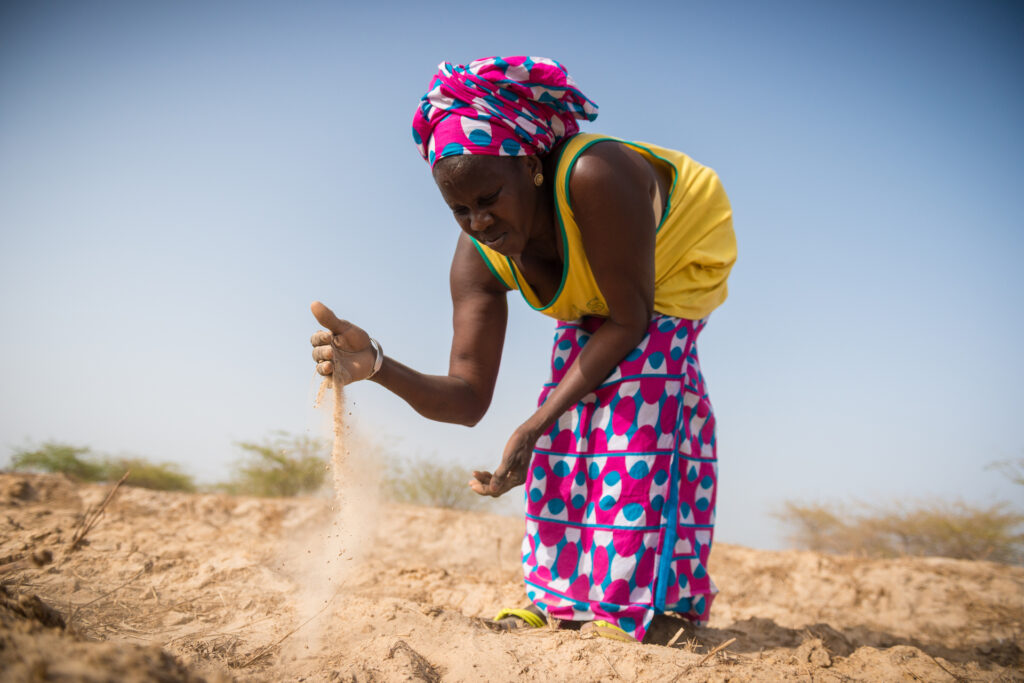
(610, 192)
(480, 314)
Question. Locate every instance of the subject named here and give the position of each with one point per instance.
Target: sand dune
(175, 587)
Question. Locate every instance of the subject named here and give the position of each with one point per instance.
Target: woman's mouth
(495, 242)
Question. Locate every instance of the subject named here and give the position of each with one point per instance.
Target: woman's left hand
(514, 464)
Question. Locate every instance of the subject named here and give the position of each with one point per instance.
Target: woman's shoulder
(592, 161)
(581, 145)
(587, 154)
(593, 151)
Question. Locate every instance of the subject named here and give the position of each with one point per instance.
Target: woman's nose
(480, 220)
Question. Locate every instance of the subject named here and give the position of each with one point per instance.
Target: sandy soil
(173, 587)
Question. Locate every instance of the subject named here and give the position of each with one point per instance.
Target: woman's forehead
(471, 169)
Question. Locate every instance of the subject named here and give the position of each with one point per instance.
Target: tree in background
(79, 463)
(957, 530)
(1011, 469)
(282, 465)
(164, 476)
(943, 528)
(427, 482)
(75, 461)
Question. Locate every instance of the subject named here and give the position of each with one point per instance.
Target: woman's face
(492, 198)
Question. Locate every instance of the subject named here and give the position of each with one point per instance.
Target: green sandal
(604, 629)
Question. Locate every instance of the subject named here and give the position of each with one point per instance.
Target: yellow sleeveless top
(694, 251)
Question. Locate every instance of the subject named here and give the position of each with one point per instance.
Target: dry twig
(911, 673)
(267, 649)
(951, 674)
(213, 633)
(92, 516)
(612, 666)
(145, 568)
(716, 651)
(20, 563)
(676, 637)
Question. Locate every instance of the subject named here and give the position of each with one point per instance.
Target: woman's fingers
(342, 343)
(487, 484)
(323, 354)
(480, 483)
(494, 485)
(321, 338)
(346, 336)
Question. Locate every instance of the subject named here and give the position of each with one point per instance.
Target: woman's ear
(533, 164)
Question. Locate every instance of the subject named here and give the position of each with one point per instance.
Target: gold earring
(538, 179)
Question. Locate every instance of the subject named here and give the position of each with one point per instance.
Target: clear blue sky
(179, 180)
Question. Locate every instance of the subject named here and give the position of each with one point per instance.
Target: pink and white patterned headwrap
(511, 106)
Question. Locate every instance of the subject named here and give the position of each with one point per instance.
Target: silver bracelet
(379, 361)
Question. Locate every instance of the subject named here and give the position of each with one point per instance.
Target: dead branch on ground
(93, 515)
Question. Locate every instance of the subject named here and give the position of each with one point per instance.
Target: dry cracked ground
(190, 587)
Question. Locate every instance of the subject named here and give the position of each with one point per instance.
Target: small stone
(41, 558)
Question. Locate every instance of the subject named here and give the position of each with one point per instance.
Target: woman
(629, 246)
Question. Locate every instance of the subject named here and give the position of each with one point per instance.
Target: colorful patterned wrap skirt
(620, 494)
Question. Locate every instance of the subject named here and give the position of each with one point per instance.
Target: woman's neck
(544, 243)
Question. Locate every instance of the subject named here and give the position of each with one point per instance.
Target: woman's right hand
(343, 349)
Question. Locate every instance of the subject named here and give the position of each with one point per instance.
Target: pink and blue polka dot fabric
(498, 106)
(620, 495)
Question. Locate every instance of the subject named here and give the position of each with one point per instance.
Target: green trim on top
(565, 244)
(561, 222)
(565, 273)
(671, 189)
(487, 261)
(605, 138)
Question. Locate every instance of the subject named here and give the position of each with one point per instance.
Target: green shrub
(74, 461)
(148, 475)
(285, 465)
(79, 463)
(425, 482)
(946, 529)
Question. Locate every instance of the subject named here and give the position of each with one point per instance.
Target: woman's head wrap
(512, 106)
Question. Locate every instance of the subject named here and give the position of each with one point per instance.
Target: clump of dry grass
(945, 529)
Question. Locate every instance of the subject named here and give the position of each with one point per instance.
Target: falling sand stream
(323, 556)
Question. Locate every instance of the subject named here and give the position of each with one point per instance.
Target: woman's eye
(489, 199)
